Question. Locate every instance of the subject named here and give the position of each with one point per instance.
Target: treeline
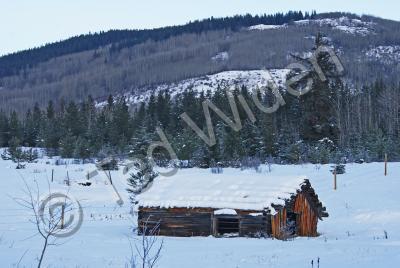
(14, 63)
(365, 127)
(73, 130)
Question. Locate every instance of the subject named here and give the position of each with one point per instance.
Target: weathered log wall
(307, 219)
(253, 226)
(176, 221)
(253, 223)
(199, 222)
(278, 223)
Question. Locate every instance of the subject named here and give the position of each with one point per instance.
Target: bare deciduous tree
(148, 247)
(48, 225)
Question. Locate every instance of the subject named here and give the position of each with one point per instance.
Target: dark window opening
(291, 223)
(228, 226)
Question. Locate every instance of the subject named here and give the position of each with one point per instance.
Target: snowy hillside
(344, 24)
(385, 54)
(209, 83)
(362, 229)
(262, 27)
(254, 78)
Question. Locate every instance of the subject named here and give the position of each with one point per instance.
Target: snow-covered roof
(246, 190)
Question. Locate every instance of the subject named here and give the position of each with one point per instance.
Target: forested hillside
(106, 93)
(117, 62)
(331, 123)
(118, 39)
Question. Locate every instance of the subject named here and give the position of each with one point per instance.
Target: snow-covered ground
(365, 205)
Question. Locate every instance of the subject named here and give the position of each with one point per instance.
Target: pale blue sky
(29, 23)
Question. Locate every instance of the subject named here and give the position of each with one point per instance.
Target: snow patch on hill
(222, 56)
(385, 54)
(344, 24)
(209, 83)
(262, 27)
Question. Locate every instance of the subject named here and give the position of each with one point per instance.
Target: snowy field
(364, 207)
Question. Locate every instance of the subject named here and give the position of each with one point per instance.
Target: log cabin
(204, 204)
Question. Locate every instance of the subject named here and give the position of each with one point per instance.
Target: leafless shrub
(250, 163)
(48, 225)
(147, 247)
(288, 231)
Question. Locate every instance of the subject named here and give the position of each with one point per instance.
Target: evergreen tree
(73, 122)
(29, 135)
(319, 115)
(52, 131)
(4, 129)
(120, 132)
(14, 150)
(81, 149)
(15, 126)
(67, 145)
(252, 140)
(141, 179)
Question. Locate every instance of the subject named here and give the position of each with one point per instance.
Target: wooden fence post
(386, 159)
(334, 179)
(109, 176)
(62, 216)
(68, 179)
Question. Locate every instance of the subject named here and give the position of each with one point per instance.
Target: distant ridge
(11, 64)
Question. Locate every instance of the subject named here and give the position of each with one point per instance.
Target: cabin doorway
(226, 225)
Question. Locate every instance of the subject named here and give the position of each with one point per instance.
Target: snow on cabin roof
(225, 211)
(234, 189)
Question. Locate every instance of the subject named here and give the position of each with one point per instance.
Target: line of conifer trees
(291, 135)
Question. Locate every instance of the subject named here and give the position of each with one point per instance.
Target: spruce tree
(15, 128)
(52, 131)
(318, 106)
(140, 179)
(67, 145)
(4, 129)
(30, 134)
